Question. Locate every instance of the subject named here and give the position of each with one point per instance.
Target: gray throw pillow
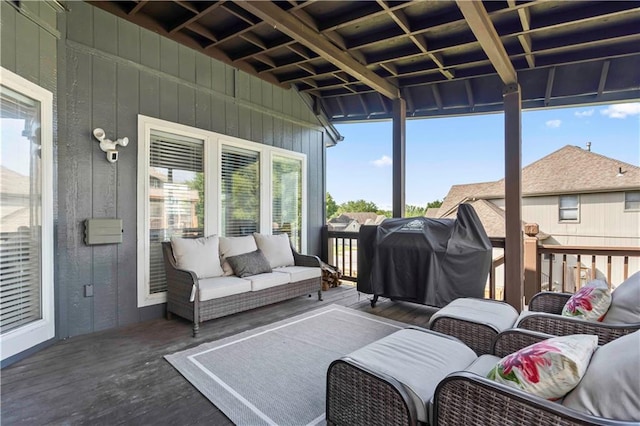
(247, 264)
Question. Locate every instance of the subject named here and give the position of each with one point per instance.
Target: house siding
(106, 72)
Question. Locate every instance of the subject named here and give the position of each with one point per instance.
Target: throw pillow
(611, 385)
(625, 302)
(589, 303)
(247, 264)
(276, 248)
(199, 255)
(233, 246)
(548, 369)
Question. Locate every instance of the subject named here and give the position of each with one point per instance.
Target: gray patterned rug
(276, 374)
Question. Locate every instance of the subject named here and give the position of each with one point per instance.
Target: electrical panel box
(103, 231)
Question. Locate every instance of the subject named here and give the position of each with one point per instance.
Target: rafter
(305, 35)
(482, 27)
(603, 77)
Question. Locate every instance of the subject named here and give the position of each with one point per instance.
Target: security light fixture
(109, 146)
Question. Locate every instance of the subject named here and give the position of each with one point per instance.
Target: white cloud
(586, 113)
(553, 123)
(383, 161)
(621, 110)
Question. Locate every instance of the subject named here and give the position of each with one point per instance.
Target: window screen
(286, 179)
(568, 210)
(632, 200)
(240, 195)
(176, 196)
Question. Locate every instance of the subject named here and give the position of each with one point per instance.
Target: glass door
(26, 268)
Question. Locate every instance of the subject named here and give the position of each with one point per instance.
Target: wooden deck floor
(120, 376)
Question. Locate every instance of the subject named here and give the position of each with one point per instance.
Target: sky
(441, 152)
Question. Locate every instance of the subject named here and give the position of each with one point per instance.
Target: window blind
(286, 178)
(176, 196)
(240, 197)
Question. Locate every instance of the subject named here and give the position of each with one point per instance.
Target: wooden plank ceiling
(354, 57)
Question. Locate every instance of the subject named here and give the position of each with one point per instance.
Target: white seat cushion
(233, 246)
(276, 248)
(268, 280)
(498, 315)
(214, 288)
(419, 360)
(482, 365)
(299, 273)
(199, 255)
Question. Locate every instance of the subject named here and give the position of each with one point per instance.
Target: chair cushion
(590, 303)
(214, 288)
(548, 369)
(276, 248)
(611, 385)
(299, 273)
(482, 365)
(233, 246)
(271, 279)
(498, 315)
(625, 302)
(419, 360)
(199, 255)
(247, 264)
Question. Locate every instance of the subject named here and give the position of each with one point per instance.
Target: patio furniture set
(441, 376)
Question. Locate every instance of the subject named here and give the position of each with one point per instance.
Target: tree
(413, 211)
(434, 204)
(332, 207)
(359, 206)
(197, 184)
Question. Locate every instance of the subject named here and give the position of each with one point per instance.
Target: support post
(531, 262)
(514, 289)
(399, 150)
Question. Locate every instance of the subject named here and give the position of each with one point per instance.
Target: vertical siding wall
(109, 71)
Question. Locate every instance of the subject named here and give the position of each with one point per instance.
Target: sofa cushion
(268, 280)
(276, 248)
(590, 303)
(625, 302)
(611, 385)
(419, 360)
(247, 264)
(214, 288)
(548, 369)
(299, 273)
(199, 255)
(233, 246)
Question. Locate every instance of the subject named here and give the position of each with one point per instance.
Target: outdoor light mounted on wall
(109, 146)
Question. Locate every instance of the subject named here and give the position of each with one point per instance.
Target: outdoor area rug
(276, 374)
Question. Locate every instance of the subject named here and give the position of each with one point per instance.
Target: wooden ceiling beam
(137, 7)
(469, 89)
(549, 89)
(482, 27)
(525, 39)
(296, 29)
(603, 77)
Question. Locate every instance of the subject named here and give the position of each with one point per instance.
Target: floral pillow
(548, 369)
(590, 303)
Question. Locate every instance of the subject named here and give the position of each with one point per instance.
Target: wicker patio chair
(545, 311)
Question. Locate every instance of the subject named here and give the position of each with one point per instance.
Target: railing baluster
(350, 256)
(578, 282)
(343, 254)
(609, 270)
(551, 258)
(564, 273)
(593, 267)
(626, 267)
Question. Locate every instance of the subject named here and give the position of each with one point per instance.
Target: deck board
(119, 376)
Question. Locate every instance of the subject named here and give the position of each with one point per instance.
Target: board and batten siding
(105, 71)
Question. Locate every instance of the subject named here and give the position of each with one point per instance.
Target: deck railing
(555, 268)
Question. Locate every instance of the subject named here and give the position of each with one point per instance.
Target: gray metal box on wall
(103, 231)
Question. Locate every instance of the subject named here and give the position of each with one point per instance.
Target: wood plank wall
(108, 71)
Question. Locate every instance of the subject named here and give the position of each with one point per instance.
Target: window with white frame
(632, 200)
(286, 198)
(26, 208)
(196, 182)
(569, 208)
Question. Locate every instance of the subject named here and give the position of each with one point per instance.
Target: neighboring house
(577, 197)
(351, 222)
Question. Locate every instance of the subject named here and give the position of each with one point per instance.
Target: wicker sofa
(390, 383)
(201, 299)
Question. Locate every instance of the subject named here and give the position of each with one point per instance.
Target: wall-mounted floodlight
(109, 146)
